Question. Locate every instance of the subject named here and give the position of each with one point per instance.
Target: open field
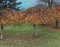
(23, 36)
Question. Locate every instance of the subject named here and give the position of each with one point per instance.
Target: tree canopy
(51, 3)
(9, 4)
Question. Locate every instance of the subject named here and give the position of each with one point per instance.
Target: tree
(50, 2)
(58, 16)
(9, 4)
(4, 4)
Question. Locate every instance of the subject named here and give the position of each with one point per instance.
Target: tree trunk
(1, 34)
(50, 3)
(35, 31)
(56, 23)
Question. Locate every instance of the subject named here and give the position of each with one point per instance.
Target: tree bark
(50, 3)
(1, 34)
(56, 23)
(35, 31)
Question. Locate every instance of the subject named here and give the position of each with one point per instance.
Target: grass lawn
(22, 36)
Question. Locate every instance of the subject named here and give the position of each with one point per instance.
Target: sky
(29, 3)
(57, 0)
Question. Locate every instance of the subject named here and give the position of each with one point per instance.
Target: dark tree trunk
(50, 3)
(1, 34)
(56, 23)
(2, 26)
(35, 31)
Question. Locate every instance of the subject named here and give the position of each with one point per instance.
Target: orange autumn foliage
(34, 17)
(11, 17)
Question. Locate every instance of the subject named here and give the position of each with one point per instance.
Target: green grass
(47, 37)
(19, 29)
